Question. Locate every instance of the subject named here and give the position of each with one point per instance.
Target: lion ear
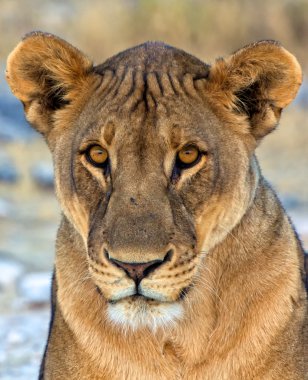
(45, 73)
(257, 81)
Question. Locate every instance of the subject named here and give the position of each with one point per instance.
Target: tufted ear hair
(46, 74)
(256, 82)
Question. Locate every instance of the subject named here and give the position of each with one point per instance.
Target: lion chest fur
(175, 259)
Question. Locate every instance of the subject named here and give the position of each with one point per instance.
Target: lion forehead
(156, 57)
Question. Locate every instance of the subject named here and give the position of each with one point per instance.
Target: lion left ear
(257, 81)
(46, 74)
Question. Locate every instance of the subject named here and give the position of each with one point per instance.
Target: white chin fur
(140, 313)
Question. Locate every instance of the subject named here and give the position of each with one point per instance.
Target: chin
(138, 312)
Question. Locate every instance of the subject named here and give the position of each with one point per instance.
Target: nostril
(106, 254)
(158, 263)
(149, 269)
(168, 256)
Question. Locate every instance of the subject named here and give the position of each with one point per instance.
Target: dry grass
(206, 28)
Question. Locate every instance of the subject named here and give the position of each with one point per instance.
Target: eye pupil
(188, 155)
(97, 155)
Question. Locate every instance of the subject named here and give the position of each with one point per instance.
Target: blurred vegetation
(207, 28)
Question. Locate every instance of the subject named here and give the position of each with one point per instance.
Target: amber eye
(97, 155)
(188, 155)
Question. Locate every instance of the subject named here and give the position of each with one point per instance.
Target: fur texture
(227, 300)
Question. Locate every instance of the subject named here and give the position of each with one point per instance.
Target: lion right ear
(254, 84)
(46, 73)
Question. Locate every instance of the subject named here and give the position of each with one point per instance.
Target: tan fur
(229, 301)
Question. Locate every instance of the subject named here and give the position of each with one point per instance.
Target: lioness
(175, 259)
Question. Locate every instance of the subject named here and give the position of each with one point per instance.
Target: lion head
(153, 153)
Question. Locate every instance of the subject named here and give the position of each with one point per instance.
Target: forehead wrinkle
(136, 94)
(126, 86)
(167, 85)
(134, 89)
(107, 78)
(154, 85)
(119, 75)
(98, 99)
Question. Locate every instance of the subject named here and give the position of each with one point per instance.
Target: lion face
(151, 217)
(153, 160)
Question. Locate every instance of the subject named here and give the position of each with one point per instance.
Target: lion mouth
(143, 294)
(133, 298)
(138, 297)
(169, 285)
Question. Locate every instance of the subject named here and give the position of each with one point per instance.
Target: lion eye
(97, 155)
(188, 155)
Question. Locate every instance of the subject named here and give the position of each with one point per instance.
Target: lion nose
(138, 271)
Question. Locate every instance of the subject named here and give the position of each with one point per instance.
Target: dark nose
(138, 271)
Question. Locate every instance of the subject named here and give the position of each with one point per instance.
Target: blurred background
(29, 214)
